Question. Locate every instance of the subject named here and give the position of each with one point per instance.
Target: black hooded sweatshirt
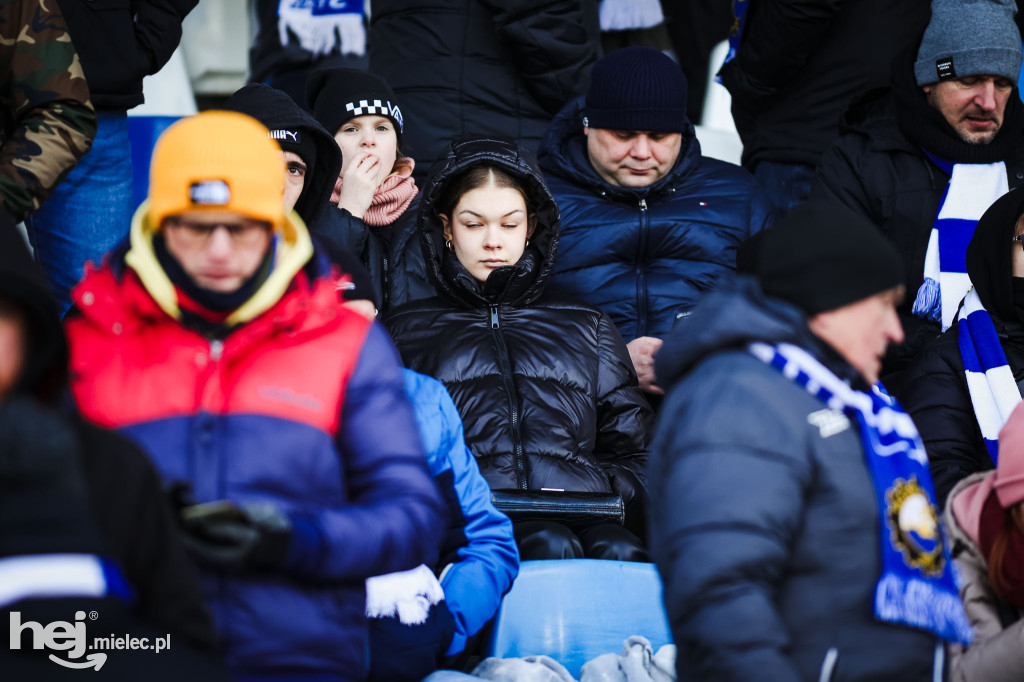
(122, 491)
(544, 386)
(282, 116)
(936, 394)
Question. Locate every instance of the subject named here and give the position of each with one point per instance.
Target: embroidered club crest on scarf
(916, 587)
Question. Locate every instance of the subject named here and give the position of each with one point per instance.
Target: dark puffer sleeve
(784, 36)
(839, 177)
(729, 474)
(937, 399)
(553, 43)
(624, 418)
(158, 28)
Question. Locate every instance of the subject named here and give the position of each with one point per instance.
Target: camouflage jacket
(46, 120)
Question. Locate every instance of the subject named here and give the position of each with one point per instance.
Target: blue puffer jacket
(644, 256)
(766, 530)
(479, 557)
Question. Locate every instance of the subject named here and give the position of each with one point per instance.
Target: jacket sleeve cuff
(307, 542)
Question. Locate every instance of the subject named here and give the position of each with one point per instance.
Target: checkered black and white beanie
(339, 95)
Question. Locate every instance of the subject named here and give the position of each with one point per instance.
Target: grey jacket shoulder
(765, 528)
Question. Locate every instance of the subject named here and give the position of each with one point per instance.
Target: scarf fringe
(405, 594)
(928, 303)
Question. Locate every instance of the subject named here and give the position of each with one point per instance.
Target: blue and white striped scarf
(54, 576)
(972, 188)
(916, 587)
(990, 381)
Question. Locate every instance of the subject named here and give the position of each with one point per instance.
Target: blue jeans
(787, 184)
(89, 213)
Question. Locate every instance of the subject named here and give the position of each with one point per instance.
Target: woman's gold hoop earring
(448, 244)
(527, 242)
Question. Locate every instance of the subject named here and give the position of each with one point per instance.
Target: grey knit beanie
(969, 38)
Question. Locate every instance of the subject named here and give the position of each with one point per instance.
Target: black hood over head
(44, 372)
(278, 112)
(515, 285)
(990, 255)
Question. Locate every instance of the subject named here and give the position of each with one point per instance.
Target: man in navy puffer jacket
(648, 224)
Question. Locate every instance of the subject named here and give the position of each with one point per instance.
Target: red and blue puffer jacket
(302, 406)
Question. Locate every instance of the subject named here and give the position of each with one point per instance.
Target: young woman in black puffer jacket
(545, 386)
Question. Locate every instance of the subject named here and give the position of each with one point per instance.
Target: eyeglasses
(245, 232)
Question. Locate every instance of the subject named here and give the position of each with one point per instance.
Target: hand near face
(359, 184)
(642, 352)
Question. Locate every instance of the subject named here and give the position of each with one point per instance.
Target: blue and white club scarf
(972, 188)
(55, 576)
(990, 382)
(916, 587)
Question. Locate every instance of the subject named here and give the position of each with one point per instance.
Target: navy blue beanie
(637, 88)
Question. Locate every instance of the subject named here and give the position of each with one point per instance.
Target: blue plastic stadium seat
(143, 132)
(574, 610)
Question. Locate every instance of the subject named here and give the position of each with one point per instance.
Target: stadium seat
(574, 610)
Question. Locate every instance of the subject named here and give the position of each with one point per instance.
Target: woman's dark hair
(474, 178)
(1012, 523)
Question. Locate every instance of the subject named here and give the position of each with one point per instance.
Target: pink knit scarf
(392, 197)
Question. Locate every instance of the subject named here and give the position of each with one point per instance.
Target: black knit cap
(339, 95)
(637, 88)
(822, 257)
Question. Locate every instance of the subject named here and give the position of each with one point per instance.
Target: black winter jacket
(133, 516)
(765, 531)
(800, 64)
(545, 387)
(878, 168)
(936, 393)
(391, 253)
(122, 41)
(644, 256)
(481, 67)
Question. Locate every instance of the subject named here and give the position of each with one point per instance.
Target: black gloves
(224, 537)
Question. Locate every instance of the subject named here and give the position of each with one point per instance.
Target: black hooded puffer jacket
(545, 386)
(936, 394)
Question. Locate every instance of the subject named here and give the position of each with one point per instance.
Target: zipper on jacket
(828, 666)
(505, 363)
(641, 276)
(386, 294)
